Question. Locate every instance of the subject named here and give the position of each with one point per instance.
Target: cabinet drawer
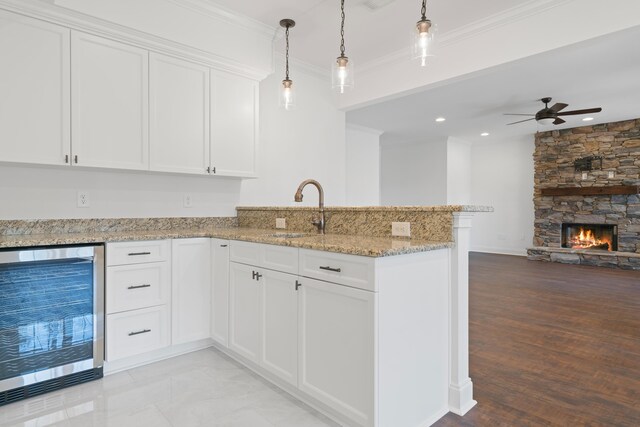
(279, 258)
(130, 287)
(137, 332)
(123, 253)
(350, 270)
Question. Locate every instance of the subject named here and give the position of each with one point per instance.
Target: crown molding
(74, 20)
(215, 10)
(489, 23)
(307, 68)
(364, 129)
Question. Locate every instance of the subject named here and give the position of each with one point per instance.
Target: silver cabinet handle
(138, 253)
(75, 159)
(146, 285)
(144, 331)
(223, 246)
(298, 284)
(337, 270)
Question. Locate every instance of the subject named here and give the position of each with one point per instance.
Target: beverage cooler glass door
(51, 317)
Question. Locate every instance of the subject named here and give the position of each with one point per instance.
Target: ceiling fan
(549, 115)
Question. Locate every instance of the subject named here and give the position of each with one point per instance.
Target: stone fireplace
(588, 215)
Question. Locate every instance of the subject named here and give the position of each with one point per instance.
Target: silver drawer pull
(139, 286)
(337, 270)
(223, 246)
(139, 253)
(144, 331)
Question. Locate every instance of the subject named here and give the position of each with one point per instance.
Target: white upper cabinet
(34, 91)
(234, 125)
(179, 115)
(110, 103)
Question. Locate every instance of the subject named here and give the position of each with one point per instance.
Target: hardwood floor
(552, 344)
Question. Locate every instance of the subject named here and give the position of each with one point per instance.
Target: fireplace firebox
(590, 236)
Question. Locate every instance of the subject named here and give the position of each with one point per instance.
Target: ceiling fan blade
(558, 121)
(525, 120)
(518, 114)
(558, 106)
(576, 112)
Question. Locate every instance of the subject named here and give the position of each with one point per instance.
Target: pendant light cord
(424, 9)
(342, 31)
(287, 53)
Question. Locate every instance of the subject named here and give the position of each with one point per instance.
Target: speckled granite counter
(354, 245)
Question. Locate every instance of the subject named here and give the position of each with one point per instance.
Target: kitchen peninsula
(370, 329)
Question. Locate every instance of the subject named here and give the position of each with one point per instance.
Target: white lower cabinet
(263, 317)
(336, 347)
(244, 318)
(191, 289)
(138, 331)
(138, 294)
(279, 324)
(220, 291)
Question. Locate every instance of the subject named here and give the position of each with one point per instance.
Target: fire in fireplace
(590, 236)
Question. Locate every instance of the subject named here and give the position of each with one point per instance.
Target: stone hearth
(555, 152)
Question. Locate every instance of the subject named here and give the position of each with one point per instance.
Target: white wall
(458, 171)
(413, 173)
(40, 192)
(363, 166)
(502, 177)
(307, 142)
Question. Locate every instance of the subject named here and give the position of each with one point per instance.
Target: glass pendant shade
(424, 40)
(342, 74)
(287, 95)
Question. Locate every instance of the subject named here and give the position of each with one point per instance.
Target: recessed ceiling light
(484, 134)
(440, 119)
(587, 119)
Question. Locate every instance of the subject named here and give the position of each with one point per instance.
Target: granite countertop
(346, 244)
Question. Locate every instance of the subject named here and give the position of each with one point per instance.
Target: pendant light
(342, 72)
(287, 95)
(424, 40)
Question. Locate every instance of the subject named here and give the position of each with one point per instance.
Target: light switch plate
(281, 223)
(401, 229)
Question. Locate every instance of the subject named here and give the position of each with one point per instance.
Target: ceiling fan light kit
(551, 115)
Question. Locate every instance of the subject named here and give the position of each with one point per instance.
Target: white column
(460, 385)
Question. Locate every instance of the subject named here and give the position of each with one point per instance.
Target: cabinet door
(110, 103)
(337, 347)
(220, 291)
(234, 124)
(191, 289)
(179, 115)
(34, 91)
(244, 311)
(279, 322)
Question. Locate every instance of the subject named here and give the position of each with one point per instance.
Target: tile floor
(204, 388)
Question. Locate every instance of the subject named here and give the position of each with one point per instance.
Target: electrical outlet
(281, 223)
(187, 201)
(401, 229)
(585, 175)
(83, 199)
(611, 174)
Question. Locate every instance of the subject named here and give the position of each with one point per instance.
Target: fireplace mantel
(590, 191)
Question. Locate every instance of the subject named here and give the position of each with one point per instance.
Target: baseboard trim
(155, 356)
(499, 251)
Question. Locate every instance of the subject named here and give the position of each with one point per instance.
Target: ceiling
(369, 34)
(601, 72)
